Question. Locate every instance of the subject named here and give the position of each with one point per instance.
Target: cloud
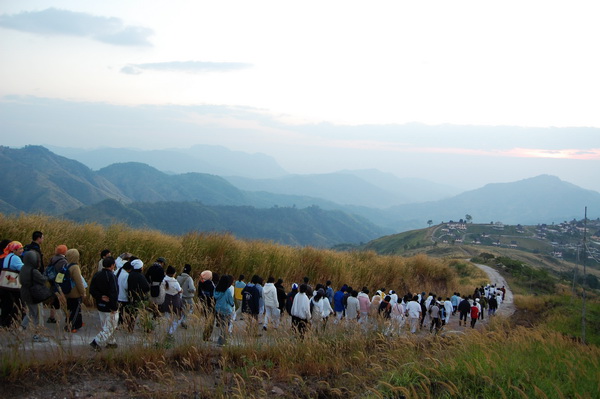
(53, 21)
(185, 66)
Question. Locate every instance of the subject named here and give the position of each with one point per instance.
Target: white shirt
(301, 306)
(414, 309)
(123, 286)
(174, 287)
(270, 295)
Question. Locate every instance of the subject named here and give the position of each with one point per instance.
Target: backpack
(63, 279)
(474, 312)
(51, 271)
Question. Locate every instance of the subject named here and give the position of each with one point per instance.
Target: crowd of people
(126, 295)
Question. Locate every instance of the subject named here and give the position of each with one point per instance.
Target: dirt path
(507, 308)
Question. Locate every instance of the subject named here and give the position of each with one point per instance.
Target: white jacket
(301, 306)
(270, 295)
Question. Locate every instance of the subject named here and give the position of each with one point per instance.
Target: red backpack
(474, 312)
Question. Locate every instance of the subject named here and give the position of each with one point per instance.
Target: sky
(460, 92)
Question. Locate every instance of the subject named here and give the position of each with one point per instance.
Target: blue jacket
(338, 301)
(224, 302)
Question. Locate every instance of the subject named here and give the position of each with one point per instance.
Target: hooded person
(57, 262)
(365, 304)
(188, 291)
(30, 275)
(271, 301)
(338, 302)
(77, 293)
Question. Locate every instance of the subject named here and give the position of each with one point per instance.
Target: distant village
(563, 240)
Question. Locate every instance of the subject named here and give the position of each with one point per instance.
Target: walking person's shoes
(95, 346)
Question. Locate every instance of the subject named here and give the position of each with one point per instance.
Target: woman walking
(224, 306)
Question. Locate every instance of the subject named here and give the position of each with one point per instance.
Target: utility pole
(584, 279)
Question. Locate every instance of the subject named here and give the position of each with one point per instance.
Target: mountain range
(320, 210)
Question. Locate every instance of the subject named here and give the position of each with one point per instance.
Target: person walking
(104, 289)
(10, 298)
(57, 262)
(301, 311)
(75, 296)
(172, 305)
(188, 290)
(138, 290)
(464, 307)
(271, 303)
(29, 276)
(224, 306)
(413, 311)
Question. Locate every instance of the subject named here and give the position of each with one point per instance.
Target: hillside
(541, 199)
(285, 225)
(33, 179)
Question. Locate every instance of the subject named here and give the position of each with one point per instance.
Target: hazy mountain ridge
(216, 160)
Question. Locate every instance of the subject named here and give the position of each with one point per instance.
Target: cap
(137, 264)
(294, 286)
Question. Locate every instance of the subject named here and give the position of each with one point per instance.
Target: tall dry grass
(223, 253)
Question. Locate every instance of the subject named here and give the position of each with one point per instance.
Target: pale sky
(319, 85)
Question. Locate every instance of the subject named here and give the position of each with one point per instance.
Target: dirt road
(507, 308)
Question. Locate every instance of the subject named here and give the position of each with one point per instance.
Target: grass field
(538, 353)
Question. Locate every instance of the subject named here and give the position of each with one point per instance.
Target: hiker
(385, 308)
(29, 276)
(104, 289)
(172, 304)
(309, 288)
(492, 306)
(413, 311)
(138, 289)
(11, 296)
(123, 298)
(321, 308)
(375, 301)
(76, 294)
(206, 295)
(261, 300)
(57, 262)
(251, 303)
(483, 302)
(188, 290)
(104, 254)
(353, 307)
(281, 296)
(329, 292)
(364, 304)
(449, 309)
(271, 303)
(224, 306)
(301, 311)
(434, 313)
(455, 300)
(122, 259)
(155, 275)
(237, 294)
(338, 302)
(289, 300)
(474, 313)
(397, 314)
(463, 309)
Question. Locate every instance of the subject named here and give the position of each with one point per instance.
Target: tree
(430, 222)
(468, 218)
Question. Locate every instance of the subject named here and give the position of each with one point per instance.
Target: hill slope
(36, 180)
(292, 226)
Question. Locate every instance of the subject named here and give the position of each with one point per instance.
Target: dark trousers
(74, 319)
(473, 321)
(299, 325)
(12, 309)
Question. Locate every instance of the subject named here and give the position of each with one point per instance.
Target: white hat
(137, 264)
(477, 299)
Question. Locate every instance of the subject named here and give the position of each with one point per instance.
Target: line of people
(123, 292)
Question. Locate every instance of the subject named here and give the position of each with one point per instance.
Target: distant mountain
(33, 179)
(215, 160)
(407, 190)
(293, 226)
(541, 199)
(143, 183)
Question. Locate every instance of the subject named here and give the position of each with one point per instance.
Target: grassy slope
(502, 361)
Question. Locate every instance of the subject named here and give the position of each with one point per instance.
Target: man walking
(105, 291)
